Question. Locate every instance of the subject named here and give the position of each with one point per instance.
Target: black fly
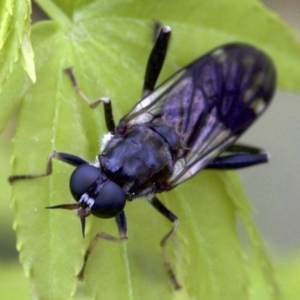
(189, 123)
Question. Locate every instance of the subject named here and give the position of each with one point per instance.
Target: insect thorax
(141, 158)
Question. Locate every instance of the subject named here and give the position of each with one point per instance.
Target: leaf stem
(54, 12)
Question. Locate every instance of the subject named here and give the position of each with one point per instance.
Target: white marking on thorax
(104, 140)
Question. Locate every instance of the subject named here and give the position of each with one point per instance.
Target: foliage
(107, 43)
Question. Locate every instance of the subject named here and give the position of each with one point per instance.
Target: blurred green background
(273, 189)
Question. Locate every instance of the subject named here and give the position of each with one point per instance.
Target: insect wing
(149, 107)
(209, 103)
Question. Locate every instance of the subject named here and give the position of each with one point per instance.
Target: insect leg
(170, 216)
(239, 156)
(62, 156)
(109, 119)
(156, 29)
(122, 227)
(156, 60)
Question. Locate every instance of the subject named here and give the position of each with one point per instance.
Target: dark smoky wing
(232, 86)
(150, 107)
(210, 103)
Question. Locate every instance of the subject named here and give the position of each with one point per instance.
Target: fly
(188, 123)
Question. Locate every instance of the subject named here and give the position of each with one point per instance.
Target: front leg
(109, 119)
(171, 217)
(62, 156)
(122, 228)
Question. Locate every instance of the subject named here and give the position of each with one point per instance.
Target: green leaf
(107, 43)
(14, 37)
(287, 274)
(12, 276)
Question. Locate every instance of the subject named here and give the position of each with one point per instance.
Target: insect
(188, 123)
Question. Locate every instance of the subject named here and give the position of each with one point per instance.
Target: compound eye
(82, 179)
(109, 202)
